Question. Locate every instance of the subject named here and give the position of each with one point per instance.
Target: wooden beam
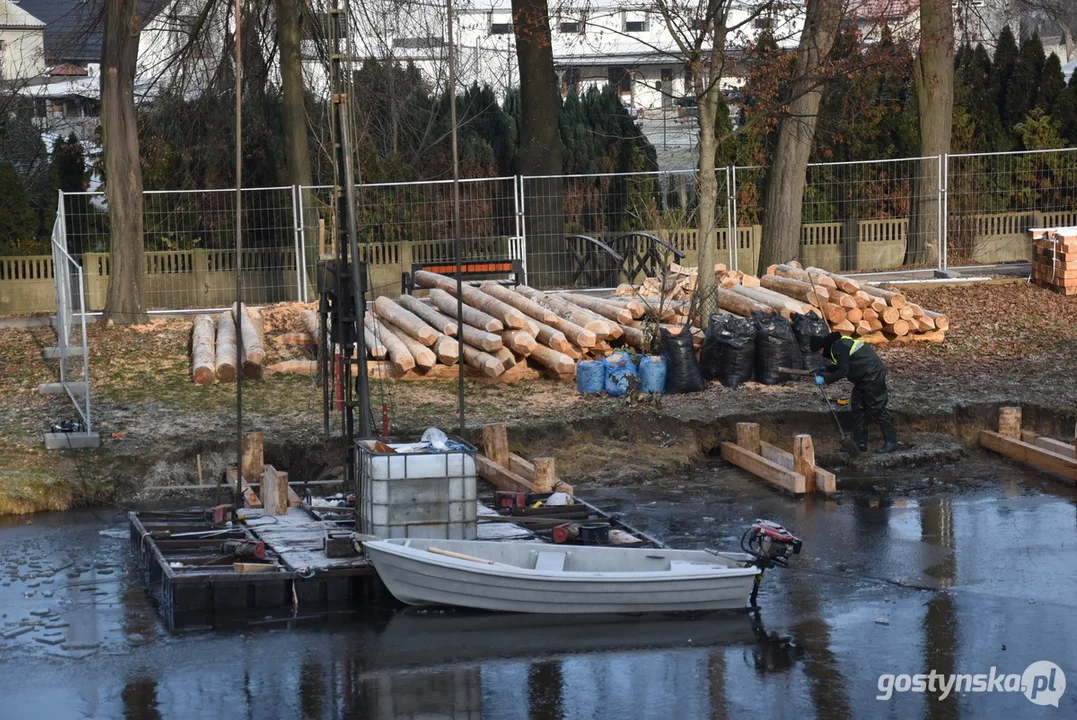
(1056, 446)
(274, 491)
(804, 460)
(545, 474)
(255, 567)
(500, 476)
(1038, 457)
(253, 456)
(522, 467)
(825, 481)
(495, 443)
(748, 437)
(1009, 422)
(759, 466)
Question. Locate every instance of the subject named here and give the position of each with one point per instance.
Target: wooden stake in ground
(203, 350)
(225, 369)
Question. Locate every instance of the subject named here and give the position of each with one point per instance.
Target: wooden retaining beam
(508, 471)
(1047, 454)
(795, 471)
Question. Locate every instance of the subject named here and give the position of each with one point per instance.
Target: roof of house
(74, 29)
(14, 16)
(66, 70)
(883, 9)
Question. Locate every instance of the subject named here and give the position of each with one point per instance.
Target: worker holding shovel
(857, 361)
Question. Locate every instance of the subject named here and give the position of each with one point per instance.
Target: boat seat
(684, 566)
(550, 561)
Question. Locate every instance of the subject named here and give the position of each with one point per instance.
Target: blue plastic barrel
(652, 374)
(620, 374)
(590, 377)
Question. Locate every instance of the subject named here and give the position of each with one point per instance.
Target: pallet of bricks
(1054, 259)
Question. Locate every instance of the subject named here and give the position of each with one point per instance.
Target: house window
(571, 27)
(500, 28)
(570, 80)
(635, 26)
(763, 23)
(621, 78)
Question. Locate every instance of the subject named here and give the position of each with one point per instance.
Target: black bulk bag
(805, 327)
(709, 360)
(682, 374)
(736, 355)
(775, 347)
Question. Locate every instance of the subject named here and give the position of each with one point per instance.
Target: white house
(22, 43)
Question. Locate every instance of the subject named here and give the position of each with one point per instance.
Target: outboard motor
(771, 545)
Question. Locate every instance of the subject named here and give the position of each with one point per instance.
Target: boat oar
(461, 556)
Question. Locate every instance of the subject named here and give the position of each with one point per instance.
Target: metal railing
(969, 210)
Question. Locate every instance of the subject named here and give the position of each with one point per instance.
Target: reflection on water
(854, 606)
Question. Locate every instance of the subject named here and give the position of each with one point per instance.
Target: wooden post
(804, 460)
(495, 444)
(1009, 422)
(274, 493)
(1075, 441)
(748, 437)
(253, 456)
(545, 474)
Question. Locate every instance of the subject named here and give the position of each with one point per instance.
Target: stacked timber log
(1054, 259)
(873, 314)
(213, 347)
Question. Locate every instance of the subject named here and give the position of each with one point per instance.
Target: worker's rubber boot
(862, 447)
(890, 441)
(889, 447)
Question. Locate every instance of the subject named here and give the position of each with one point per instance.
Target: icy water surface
(956, 570)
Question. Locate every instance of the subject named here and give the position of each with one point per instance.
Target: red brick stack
(1054, 259)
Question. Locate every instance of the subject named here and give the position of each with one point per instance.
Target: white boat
(560, 579)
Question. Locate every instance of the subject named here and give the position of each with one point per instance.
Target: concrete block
(73, 440)
(76, 388)
(52, 353)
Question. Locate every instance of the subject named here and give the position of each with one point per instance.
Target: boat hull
(422, 578)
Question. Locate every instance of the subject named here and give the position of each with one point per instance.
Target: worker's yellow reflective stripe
(856, 346)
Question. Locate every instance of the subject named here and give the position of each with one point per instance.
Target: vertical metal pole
(456, 214)
(731, 230)
(944, 255)
(238, 314)
(521, 202)
(85, 350)
(735, 242)
(299, 260)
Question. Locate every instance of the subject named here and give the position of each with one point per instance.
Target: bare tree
(123, 173)
(933, 71)
(787, 174)
(540, 139)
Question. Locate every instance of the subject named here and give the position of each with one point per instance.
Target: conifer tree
(1051, 84)
(18, 223)
(1024, 86)
(1005, 63)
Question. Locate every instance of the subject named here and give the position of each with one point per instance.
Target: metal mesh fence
(994, 199)
(604, 229)
(585, 230)
(71, 347)
(400, 225)
(189, 241)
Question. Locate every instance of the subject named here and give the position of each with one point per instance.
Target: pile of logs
(213, 347)
(871, 313)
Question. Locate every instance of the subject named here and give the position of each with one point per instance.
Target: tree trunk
(787, 174)
(123, 173)
(933, 70)
(296, 146)
(540, 145)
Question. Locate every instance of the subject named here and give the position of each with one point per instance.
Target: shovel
(847, 443)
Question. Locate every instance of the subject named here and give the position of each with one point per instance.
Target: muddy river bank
(953, 567)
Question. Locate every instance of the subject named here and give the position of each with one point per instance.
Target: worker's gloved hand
(820, 380)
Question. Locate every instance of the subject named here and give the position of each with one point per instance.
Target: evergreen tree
(18, 222)
(1065, 109)
(1024, 87)
(977, 125)
(1052, 83)
(1005, 63)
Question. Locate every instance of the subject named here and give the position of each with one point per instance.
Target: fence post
(521, 223)
(734, 242)
(944, 211)
(730, 225)
(297, 232)
(85, 348)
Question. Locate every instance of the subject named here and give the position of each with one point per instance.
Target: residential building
(22, 39)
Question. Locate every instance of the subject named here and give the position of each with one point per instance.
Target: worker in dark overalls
(857, 361)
